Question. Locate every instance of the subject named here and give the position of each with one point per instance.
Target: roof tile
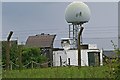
(40, 40)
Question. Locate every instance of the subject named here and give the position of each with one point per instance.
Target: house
(43, 41)
(90, 56)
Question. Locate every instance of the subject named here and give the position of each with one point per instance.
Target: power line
(65, 29)
(92, 38)
(59, 27)
(61, 31)
(96, 30)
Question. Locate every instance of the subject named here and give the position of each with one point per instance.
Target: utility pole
(8, 50)
(79, 46)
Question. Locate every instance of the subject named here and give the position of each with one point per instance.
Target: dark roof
(42, 41)
(110, 54)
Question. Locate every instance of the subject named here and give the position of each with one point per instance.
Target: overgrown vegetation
(13, 51)
(32, 54)
(20, 53)
(117, 69)
(116, 72)
(110, 70)
(59, 72)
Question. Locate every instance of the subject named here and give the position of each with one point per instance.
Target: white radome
(77, 12)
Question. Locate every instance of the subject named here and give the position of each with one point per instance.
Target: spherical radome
(77, 12)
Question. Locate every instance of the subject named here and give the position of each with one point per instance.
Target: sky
(119, 24)
(31, 18)
(59, 0)
(0, 20)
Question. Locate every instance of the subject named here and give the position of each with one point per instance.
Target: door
(91, 59)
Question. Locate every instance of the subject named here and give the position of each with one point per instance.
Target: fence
(31, 64)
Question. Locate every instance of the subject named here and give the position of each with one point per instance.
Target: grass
(58, 72)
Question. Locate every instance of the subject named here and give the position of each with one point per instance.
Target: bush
(32, 54)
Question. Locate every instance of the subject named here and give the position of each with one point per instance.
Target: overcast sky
(30, 18)
(59, 0)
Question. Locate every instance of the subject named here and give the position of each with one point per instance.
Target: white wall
(56, 57)
(84, 58)
(73, 55)
(101, 57)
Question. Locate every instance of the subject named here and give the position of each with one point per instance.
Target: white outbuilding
(90, 56)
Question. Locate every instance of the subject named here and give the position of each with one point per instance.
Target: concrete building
(90, 56)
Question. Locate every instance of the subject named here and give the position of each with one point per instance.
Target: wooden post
(60, 61)
(20, 56)
(7, 55)
(11, 65)
(79, 47)
(32, 64)
(69, 61)
(8, 51)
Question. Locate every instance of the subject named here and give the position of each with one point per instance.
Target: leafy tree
(32, 54)
(27, 54)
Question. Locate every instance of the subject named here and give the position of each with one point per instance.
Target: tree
(25, 53)
(32, 54)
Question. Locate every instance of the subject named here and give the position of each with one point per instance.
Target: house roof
(42, 40)
(110, 54)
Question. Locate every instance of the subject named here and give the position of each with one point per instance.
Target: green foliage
(3, 52)
(58, 72)
(117, 73)
(13, 51)
(117, 69)
(27, 54)
(32, 54)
